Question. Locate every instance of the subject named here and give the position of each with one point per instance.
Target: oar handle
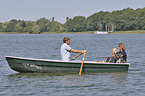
(77, 56)
(82, 64)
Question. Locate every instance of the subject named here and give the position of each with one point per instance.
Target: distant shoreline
(129, 32)
(89, 32)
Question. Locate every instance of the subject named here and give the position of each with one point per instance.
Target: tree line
(119, 20)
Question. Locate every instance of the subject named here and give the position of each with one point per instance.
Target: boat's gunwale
(48, 60)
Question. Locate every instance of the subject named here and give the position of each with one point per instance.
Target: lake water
(129, 83)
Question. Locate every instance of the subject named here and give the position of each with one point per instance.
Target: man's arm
(77, 51)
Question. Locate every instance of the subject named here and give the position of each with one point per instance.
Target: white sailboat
(101, 32)
(98, 32)
(105, 32)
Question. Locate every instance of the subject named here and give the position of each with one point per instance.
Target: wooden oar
(76, 56)
(82, 64)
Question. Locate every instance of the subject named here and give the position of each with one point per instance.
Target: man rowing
(66, 49)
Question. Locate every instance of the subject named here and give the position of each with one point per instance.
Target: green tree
(44, 24)
(56, 26)
(10, 27)
(36, 29)
(18, 28)
(93, 22)
(1, 25)
(14, 21)
(126, 19)
(29, 25)
(23, 24)
(77, 24)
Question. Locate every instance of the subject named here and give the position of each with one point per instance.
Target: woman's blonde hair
(122, 46)
(115, 51)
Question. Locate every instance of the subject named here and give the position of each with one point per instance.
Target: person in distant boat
(113, 57)
(123, 55)
(66, 50)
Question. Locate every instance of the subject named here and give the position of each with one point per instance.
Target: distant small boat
(98, 32)
(27, 65)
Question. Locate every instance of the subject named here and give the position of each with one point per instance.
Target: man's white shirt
(65, 52)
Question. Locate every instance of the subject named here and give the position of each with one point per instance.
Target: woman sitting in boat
(66, 49)
(113, 57)
(123, 56)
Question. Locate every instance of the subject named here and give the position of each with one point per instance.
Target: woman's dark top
(124, 57)
(113, 59)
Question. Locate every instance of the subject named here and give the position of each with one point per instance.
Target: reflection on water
(119, 79)
(70, 82)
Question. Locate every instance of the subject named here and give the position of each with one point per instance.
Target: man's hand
(84, 51)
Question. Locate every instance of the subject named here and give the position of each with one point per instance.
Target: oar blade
(82, 64)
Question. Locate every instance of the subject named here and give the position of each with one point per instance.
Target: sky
(60, 9)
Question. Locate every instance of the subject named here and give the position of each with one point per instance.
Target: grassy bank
(14, 32)
(129, 32)
(87, 32)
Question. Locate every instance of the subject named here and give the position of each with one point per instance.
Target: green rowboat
(27, 65)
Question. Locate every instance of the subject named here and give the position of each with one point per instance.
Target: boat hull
(27, 65)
